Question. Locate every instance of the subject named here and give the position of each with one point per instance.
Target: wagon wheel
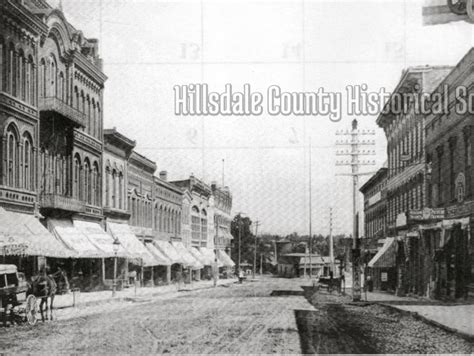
(457, 6)
(30, 309)
(470, 9)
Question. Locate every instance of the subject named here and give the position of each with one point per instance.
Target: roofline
(373, 179)
(405, 74)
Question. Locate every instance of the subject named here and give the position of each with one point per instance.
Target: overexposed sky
(148, 46)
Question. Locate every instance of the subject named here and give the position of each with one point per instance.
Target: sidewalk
(456, 318)
(91, 298)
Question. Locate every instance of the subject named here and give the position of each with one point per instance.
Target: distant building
(375, 207)
(168, 200)
(295, 265)
(140, 195)
(222, 217)
(201, 213)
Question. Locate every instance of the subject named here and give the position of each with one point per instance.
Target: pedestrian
(241, 276)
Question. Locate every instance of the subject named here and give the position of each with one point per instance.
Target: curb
(416, 315)
(137, 298)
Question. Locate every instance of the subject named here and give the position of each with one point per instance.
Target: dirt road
(243, 318)
(269, 316)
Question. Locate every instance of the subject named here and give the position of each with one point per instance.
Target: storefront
(26, 243)
(382, 266)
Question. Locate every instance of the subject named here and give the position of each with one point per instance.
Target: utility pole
(310, 245)
(255, 249)
(355, 143)
(239, 214)
(331, 242)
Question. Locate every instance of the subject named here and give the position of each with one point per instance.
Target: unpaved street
(267, 316)
(237, 319)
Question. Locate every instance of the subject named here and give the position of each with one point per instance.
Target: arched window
(53, 78)
(107, 186)
(3, 64)
(12, 157)
(77, 177)
(28, 170)
(89, 119)
(98, 122)
(120, 191)
(87, 182)
(160, 217)
(42, 78)
(61, 87)
(76, 97)
(20, 75)
(114, 188)
(11, 63)
(96, 185)
(83, 103)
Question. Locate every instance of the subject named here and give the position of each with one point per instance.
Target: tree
(247, 239)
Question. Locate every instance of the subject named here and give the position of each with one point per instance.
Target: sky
(149, 46)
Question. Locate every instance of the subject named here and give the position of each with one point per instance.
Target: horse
(44, 287)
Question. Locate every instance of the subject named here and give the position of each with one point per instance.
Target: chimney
(164, 175)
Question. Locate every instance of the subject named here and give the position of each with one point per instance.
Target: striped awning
(65, 231)
(136, 250)
(210, 256)
(190, 260)
(159, 258)
(169, 251)
(225, 259)
(385, 257)
(23, 234)
(100, 238)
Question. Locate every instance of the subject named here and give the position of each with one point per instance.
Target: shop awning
(225, 259)
(159, 257)
(23, 235)
(210, 256)
(134, 247)
(169, 251)
(74, 239)
(190, 260)
(100, 238)
(199, 256)
(385, 257)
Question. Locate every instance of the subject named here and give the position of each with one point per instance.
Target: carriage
(14, 297)
(462, 7)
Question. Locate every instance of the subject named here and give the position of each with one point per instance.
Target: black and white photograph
(245, 177)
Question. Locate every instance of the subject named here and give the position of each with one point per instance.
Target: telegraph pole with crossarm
(355, 143)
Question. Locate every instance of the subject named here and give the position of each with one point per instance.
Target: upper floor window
(12, 151)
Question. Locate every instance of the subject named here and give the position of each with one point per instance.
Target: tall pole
(223, 173)
(240, 239)
(355, 163)
(331, 241)
(310, 245)
(356, 292)
(255, 250)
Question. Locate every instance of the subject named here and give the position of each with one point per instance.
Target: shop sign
(384, 276)
(427, 214)
(401, 220)
(464, 209)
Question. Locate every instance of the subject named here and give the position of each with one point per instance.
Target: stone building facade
(222, 217)
(140, 195)
(117, 151)
(168, 200)
(200, 212)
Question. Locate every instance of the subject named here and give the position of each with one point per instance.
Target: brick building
(407, 175)
(449, 142)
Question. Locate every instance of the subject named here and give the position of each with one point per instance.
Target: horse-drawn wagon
(15, 299)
